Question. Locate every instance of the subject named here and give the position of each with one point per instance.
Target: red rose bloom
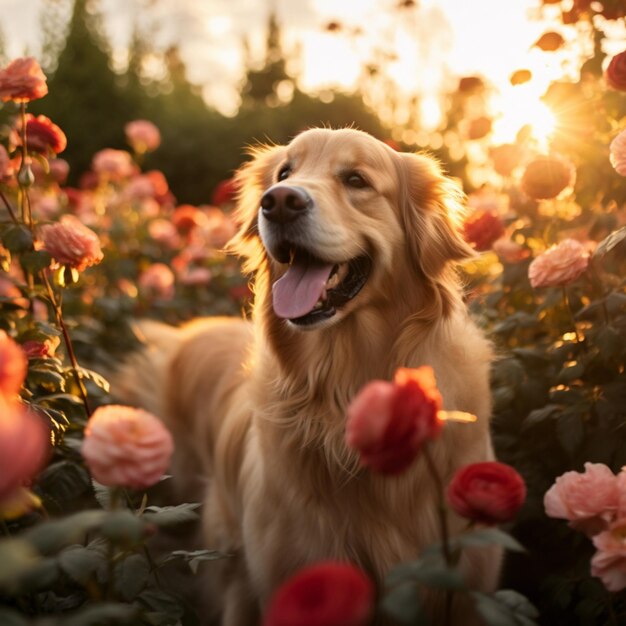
(187, 217)
(388, 423)
(225, 192)
(488, 493)
(22, 81)
(616, 72)
(546, 177)
(483, 228)
(43, 136)
(326, 594)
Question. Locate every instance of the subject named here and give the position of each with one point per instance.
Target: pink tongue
(298, 290)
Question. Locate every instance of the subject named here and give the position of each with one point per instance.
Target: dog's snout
(283, 204)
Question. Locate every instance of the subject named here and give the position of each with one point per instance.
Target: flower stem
(27, 216)
(68, 342)
(9, 208)
(579, 339)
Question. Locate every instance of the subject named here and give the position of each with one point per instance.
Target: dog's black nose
(283, 204)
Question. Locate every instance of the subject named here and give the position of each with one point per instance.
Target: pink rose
(164, 232)
(71, 243)
(588, 500)
(388, 423)
(59, 170)
(560, 265)
(13, 366)
(22, 81)
(510, 251)
(219, 228)
(325, 594)
(142, 136)
(195, 276)
(113, 164)
(488, 492)
(24, 444)
(609, 562)
(157, 281)
(617, 151)
(126, 447)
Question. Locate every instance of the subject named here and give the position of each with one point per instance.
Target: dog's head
(340, 220)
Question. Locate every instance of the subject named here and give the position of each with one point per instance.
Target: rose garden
(84, 500)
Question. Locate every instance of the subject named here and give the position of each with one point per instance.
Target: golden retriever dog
(352, 246)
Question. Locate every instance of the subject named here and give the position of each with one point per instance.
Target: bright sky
(434, 43)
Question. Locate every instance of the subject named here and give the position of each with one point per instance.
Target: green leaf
(194, 558)
(50, 537)
(81, 562)
(131, 576)
(18, 239)
(162, 602)
(40, 577)
(538, 416)
(98, 379)
(103, 613)
(124, 528)
(570, 429)
(486, 537)
(517, 602)
(35, 260)
(505, 608)
(403, 604)
(172, 515)
(428, 572)
(64, 481)
(46, 378)
(570, 373)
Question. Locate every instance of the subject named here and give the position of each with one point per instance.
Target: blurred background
(215, 76)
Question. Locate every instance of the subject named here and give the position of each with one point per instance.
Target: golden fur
(258, 407)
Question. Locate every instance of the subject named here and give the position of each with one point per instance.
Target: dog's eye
(284, 172)
(355, 180)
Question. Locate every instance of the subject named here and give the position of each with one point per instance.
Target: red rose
(43, 136)
(187, 217)
(482, 228)
(488, 493)
(22, 81)
(326, 594)
(388, 423)
(225, 192)
(616, 72)
(546, 177)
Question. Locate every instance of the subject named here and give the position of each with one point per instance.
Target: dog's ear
(432, 209)
(252, 179)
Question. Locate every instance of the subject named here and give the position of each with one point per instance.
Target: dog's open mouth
(312, 290)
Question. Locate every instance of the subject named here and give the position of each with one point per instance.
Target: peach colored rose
(509, 251)
(325, 594)
(24, 445)
(388, 423)
(142, 136)
(59, 170)
(157, 281)
(13, 366)
(22, 81)
(617, 153)
(164, 232)
(195, 276)
(71, 243)
(589, 500)
(126, 447)
(161, 191)
(6, 165)
(487, 493)
(482, 228)
(609, 562)
(615, 74)
(546, 177)
(506, 158)
(559, 265)
(43, 136)
(113, 164)
(219, 228)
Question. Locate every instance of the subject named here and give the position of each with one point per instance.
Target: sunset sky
(435, 43)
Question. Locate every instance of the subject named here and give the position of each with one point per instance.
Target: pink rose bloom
(219, 228)
(142, 136)
(139, 188)
(388, 423)
(126, 447)
(113, 164)
(13, 366)
(164, 232)
(617, 153)
(609, 562)
(6, 165)
(509, 251)
(22, 81)
(46, 205)
(157, 281)
(560, 265)
(195, 276)
(588, 500)
(71, 243)
(59, 170)
(24, 444)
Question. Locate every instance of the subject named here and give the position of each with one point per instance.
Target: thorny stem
(27, 215)
(443, 526)
(68, 342)
(9, 208)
